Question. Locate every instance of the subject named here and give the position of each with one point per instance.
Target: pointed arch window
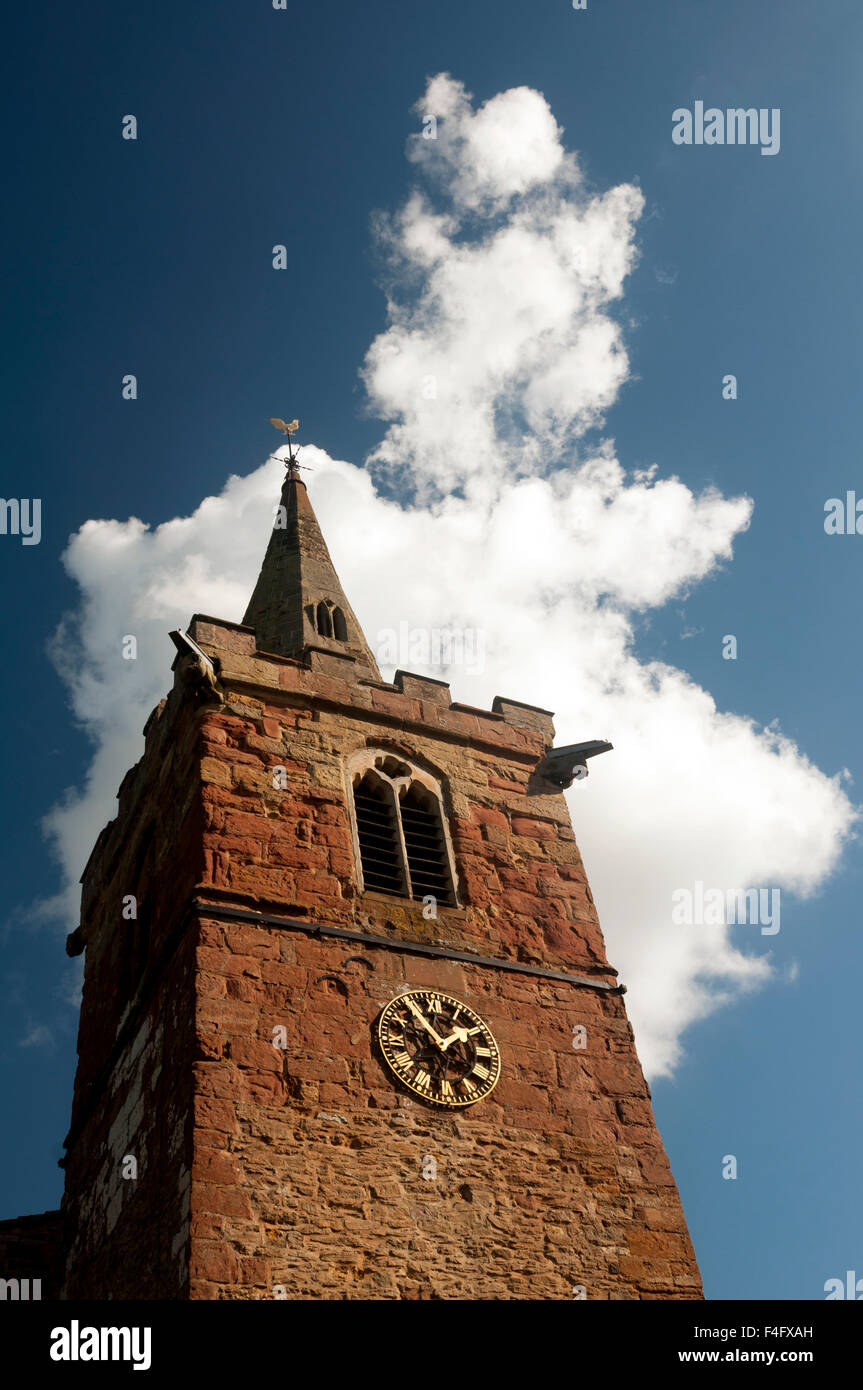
(325, 622)
(401, 836)
(378, 836)
(330, 621)
(424, 843)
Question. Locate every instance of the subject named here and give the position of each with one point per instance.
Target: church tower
(348, 1027)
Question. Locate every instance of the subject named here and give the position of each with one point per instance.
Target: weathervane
(288, 427)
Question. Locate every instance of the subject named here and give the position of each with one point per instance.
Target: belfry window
(325, 622)
(424, 845)
(401, 835)
(330, 621)
(378, 835)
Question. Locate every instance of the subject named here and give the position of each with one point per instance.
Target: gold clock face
(439, 1048)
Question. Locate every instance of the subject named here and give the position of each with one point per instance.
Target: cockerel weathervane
(288, 427)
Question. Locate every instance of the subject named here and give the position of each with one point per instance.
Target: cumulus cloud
(502, 518)
(510, 146)
(502, 353)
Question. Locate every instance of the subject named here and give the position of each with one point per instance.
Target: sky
(507, 332)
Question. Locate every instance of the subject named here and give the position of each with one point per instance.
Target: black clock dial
(439, 1048)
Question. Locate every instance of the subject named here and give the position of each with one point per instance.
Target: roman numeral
(447, 1091)
(468, 1085)
(402, 1059)
(482, 1072)
(473, 1031)
(483, 1052)
(435, 1004)
(422, 1080)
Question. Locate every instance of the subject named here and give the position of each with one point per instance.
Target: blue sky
(259, 127)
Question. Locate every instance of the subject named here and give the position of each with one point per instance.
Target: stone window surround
(328, 614)
(402, 772)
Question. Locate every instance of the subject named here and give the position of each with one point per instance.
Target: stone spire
(298, 601)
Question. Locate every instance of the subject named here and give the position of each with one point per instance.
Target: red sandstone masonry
(300, 1167)
(331, 1161)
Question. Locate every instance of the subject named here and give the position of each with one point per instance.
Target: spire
(298, 600)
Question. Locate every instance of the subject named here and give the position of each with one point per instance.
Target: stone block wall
(129, 1146)
(310, 1169)
(308, 1161)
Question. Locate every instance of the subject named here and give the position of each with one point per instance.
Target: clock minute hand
(421, 1018)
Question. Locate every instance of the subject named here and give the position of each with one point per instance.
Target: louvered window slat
(427, 859)
(379, 851)
(390, 829)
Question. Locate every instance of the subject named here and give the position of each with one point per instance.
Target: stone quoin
(228, 1037)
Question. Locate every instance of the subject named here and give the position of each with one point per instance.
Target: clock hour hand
(421, 1018)
(458, 1035)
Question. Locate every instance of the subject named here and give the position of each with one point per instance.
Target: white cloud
(507, 528)
(503, 352)
(510, 146)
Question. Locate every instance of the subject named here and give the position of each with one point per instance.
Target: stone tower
(302, 847)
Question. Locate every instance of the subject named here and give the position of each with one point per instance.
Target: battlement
(409, 698)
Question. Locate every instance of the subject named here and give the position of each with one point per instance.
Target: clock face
(439, 1048)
